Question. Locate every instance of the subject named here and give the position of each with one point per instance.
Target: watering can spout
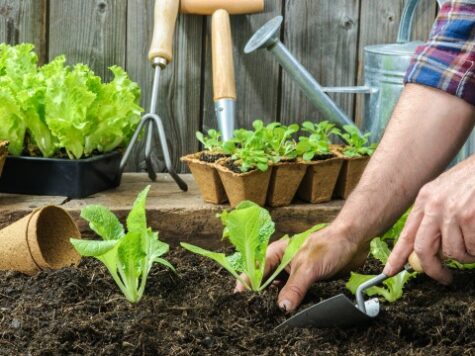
(268, 37)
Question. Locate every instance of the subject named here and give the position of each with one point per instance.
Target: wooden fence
(328, 36)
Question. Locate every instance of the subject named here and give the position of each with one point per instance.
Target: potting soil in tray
(80, 311)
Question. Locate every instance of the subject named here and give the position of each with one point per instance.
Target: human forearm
(427, 129)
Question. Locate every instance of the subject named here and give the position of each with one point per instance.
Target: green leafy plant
(129, 256)
(393, 287)
(356, 145)
(55, 109)
(249, 229)
(379, 249)
(279, 141)
(318, 142)
(251, 149)
(213, 143)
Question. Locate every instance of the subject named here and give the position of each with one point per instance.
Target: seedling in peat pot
(213, 143)
(318, 142)
(128, 256)
(357, 146)
(249, 229)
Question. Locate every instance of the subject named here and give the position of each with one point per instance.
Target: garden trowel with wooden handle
(160, 55)
(340, 311)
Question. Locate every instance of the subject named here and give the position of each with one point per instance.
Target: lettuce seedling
(249, 229)
(356, 145)
(318, 142)
(128, 256)
(393, 287)
(279, 141)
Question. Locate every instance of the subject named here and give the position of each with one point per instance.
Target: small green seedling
(251, 148)
(357, 146)
(249, 229)
(128, 256)
(279, 141)
(318, 142)
(393, 287)
(213, 143)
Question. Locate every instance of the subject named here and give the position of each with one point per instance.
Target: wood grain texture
(257, 74)
(380, 24)
(24, 21)
(180, 88)
(323, 36)
(178, 216)
(224, 81)
(92, 32)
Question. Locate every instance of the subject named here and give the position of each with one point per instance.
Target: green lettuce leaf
(103, 222)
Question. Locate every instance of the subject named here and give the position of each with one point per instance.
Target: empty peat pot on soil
(284, 182)
(320, 180)
(3, 154)
(252, 185)
(350, 174)
(61, 177)
(39, 241)
(204, 171)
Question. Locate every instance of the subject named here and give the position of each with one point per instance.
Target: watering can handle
(407, 19)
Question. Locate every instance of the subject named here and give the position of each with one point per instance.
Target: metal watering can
(384, 68)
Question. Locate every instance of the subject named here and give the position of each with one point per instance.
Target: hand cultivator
(160, 54)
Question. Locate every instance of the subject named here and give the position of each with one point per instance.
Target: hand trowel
(340, 311)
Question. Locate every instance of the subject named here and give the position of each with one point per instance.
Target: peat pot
(284, 182)
(251, 185)
(207, 179)
(61, 177)
(350, 174)
(320, 180)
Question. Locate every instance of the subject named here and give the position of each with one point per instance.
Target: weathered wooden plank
(24, 21)
(177, 215)
(257, 75)
(179, 96)
(323, 36)
(91, 32)
(380, 24)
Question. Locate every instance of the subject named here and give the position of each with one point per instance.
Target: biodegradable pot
(3, 154)
(251, 185)
(39, 241)
(350, 175)
(207, 178)
(61, 177)
(320, 180)
(284, 182)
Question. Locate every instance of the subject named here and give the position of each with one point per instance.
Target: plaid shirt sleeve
(447, 60)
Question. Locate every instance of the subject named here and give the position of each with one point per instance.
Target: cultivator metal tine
(154, 123)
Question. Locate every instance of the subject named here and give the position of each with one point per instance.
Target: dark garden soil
(211, 157)
(79, 311)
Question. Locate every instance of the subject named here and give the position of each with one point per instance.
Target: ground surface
(79, 311)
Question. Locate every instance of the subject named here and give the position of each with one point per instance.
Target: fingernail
(285, 305)
(388, 269)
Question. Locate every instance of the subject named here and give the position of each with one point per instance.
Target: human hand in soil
(324, 254)
(441, 224)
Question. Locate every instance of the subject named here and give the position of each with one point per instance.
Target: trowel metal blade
(338, 311)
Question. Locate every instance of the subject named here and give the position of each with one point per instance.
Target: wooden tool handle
(415, 262)
(166, 12)
(208, 7)
(224, 82)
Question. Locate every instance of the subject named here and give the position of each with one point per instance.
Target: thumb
(299, 282)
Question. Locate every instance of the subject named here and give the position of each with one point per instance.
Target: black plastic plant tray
(61, 177)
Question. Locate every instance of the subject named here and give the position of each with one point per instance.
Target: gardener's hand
(441, 224)
(324, 254)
